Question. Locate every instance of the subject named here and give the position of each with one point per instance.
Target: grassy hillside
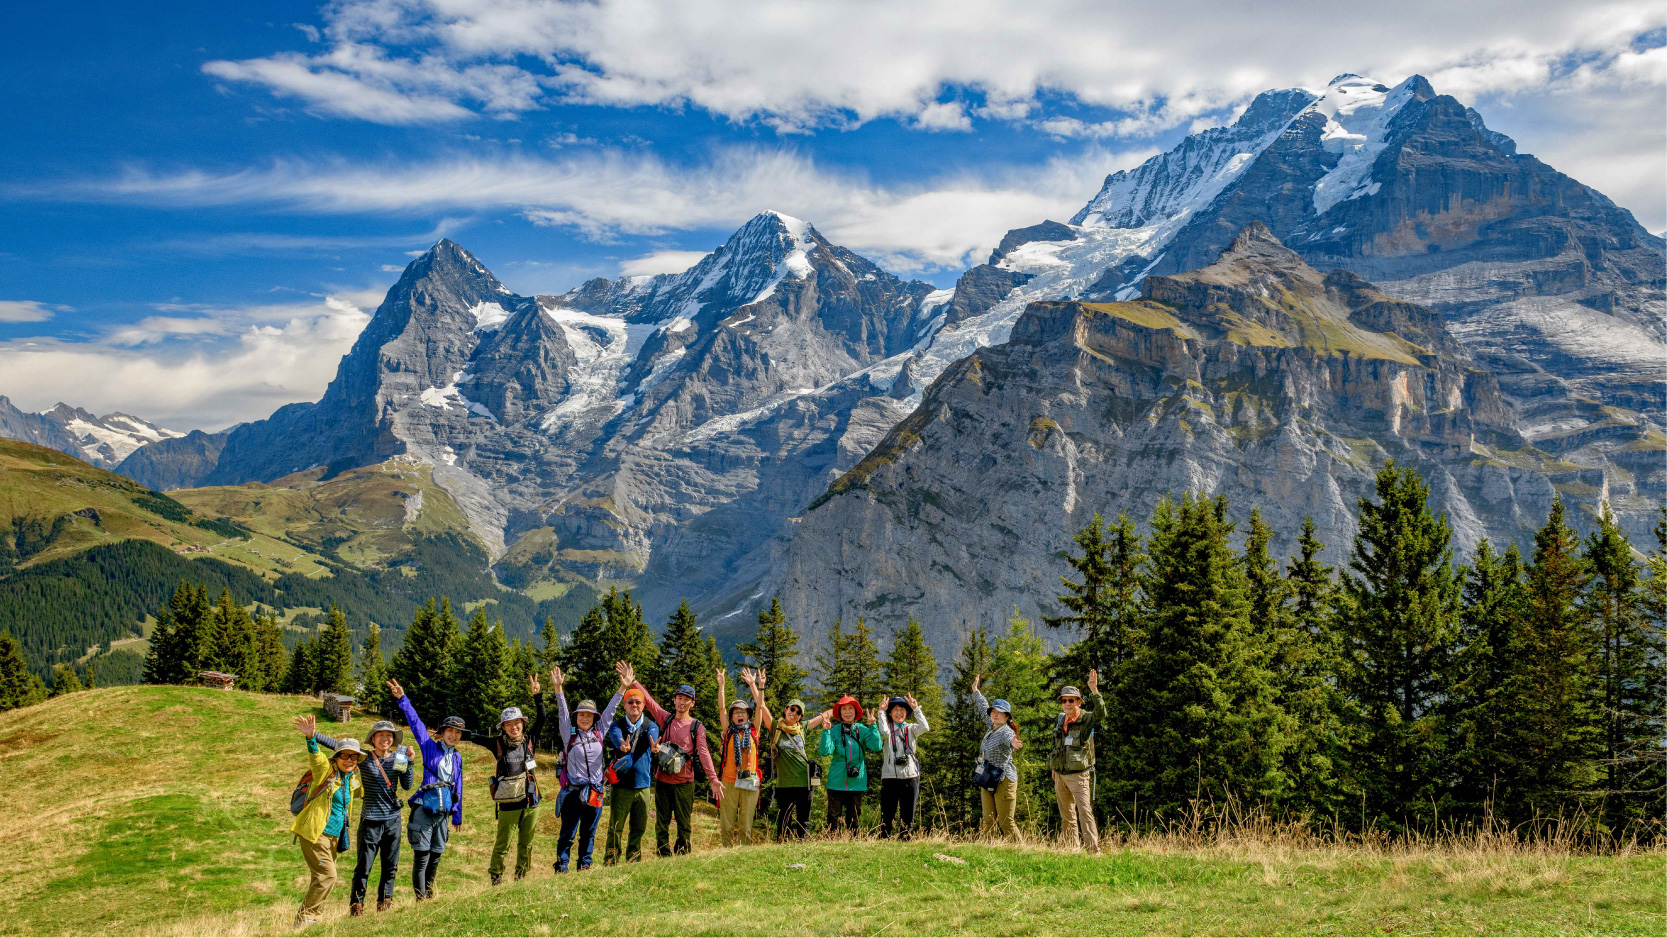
(162, 811)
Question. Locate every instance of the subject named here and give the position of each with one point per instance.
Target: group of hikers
(616, 754)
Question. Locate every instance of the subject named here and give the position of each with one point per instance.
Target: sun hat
(513, 713)
(350, 746)
(1069, 690)
(452, 722)
(743, 702)
(900, 702)
(587, 706)
(384, 726)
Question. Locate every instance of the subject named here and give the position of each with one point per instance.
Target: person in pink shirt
(682, 738)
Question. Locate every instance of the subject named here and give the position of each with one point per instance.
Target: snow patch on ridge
(489, 317)
(1358, 112)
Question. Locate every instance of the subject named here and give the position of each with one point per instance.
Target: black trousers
(378, 838)
(898, 794)
(844, 806)
(673, 802)
(792, 812)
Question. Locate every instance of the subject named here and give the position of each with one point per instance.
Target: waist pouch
(511, 787)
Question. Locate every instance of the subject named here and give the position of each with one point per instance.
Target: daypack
(299, 799)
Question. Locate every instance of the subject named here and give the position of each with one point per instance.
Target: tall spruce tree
(775, 648)
(1556, 727)
(1629, 658)
(176, 642)
(549, 653)
(479, 682)
(1398, 625)
(1104, 604)
(1483, 708)
(1303, 659)
(334, 654)
(19, 686)
(1644, 763)
(612, 631)
(423, 664)
(1265, 590)
(228, 641)
(65, 681)
(685, 659)
(271, 660)
(301, 677)
(850, 665)
(373, 691)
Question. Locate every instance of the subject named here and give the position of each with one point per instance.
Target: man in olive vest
(1072, 762)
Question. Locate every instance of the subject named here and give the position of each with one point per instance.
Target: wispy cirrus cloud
(17, 311)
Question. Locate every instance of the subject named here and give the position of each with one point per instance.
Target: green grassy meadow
(160, 811)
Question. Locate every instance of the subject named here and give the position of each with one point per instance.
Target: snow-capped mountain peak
(103, 441)
(1358, 112)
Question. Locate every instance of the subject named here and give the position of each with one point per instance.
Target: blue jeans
(576, 816)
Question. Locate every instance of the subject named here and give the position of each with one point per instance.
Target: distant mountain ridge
(102, 441)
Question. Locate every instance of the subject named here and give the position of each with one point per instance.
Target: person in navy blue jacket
(633, 739)
(440, 796)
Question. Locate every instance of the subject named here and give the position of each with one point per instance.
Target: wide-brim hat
(1069, 690)
(512, 713)
(454, 723)
(384, 726)
(840, 705)
(587, 706)
(900, 702)
(351, 746)
(744, 703)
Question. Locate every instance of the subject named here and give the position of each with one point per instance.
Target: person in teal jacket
(846, 739)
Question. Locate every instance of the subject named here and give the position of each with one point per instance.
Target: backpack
(299, 797)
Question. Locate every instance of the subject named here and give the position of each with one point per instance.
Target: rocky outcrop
(1257, 378)
(175, 463)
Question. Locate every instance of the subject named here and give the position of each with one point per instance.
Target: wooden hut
(339, 706)
(217, 679)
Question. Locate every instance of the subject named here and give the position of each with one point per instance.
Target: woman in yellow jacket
(329, 803)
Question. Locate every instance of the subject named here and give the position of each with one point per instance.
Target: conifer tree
(850, 665)
(423, 664)
(963, 731)
(1398, 624)
(19, 686)
(1483, 710)
(177, 640)
(479, 682)
(1556, 726)
(1265, 589)
(549, 655)
(64, 680)
(1643, 764)
(684, 658)
(1104, 604)
(272, 660)
(612, 631)
(229, 642)
(775, 648)
(1302, 656)
(301, 677)
(1200, 714)
(92, 679)
(373, 691)
(333, 655)
(520, 663)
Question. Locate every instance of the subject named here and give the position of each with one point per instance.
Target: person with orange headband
(634, 738)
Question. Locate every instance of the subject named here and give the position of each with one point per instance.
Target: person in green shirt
(846, 740)
(787, 748)
(1072, 762)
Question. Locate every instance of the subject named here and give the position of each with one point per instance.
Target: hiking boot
(357, 908)
(584, 866)
(419, 894)
(383, 905)
(302, 921)
(497, 879)
(559, 867)
(520, 875)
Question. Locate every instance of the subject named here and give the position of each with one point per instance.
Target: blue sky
(201, 203)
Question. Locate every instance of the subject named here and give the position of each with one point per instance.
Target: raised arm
(418, 729)
(539, 713)
(607, 717)
(755, 682)
(656, 712)
(982, 704)
(564, 720)
(920, 715)
(1097, 704)
(723, 704)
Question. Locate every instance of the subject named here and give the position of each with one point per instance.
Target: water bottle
(402, 758)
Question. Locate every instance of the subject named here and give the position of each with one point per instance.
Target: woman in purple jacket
(580, 802)
(438, 800)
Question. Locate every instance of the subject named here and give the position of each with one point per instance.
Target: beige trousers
(735, 814)
(999, 808)
(1075, 794)
(321, 860)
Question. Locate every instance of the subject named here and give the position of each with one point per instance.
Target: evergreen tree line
(1404, 690)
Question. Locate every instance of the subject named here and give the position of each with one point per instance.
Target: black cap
(454, 721)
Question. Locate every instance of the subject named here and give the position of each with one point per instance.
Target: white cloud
(806, 63)
(207, 371)
(606, 193)
(660, 262)
(27, 311)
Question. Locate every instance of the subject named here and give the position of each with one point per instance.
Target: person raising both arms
(787, 744)
(1072, 762)
(846, 740)
(323, 817)
(585, 765)
(901, 723)
(1001, 740)
(383, 773)
(514, 783)
(440, 799)
(738, 765)
(682, 739)
(633, 738)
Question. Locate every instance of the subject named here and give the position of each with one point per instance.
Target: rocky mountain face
(102, 441)
(1256, 377)
(176, 462)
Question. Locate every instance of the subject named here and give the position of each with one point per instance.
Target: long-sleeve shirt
(846, 742)
(997, 747)
(381, 797)
(901, 740)
(635, 766)
(587, 757)
(440, 761)
(677, 732)
(1073, 740)
(512, 756)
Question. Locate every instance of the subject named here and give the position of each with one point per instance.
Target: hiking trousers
(321, 862)
(999, 807)
(735, 814)
(673, 801)
(844, 807)
(792, 812)
(626, 805)
(520, 822)
(577, 816)
(898, 796)
(377, 838)
(1075, 794)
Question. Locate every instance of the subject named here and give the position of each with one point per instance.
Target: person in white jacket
(901, 723)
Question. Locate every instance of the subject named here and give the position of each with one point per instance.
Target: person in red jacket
(682, 739)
